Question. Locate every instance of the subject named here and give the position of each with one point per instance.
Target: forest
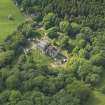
(76, 28)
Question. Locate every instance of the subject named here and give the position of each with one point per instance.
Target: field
(8, 26)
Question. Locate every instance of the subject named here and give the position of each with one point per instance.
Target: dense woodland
(74, 26)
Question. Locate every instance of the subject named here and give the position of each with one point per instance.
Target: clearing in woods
(8, 9)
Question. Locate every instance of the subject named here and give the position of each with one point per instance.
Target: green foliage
(86, 30)
(98, 42)
(52, 33)
(75, 28)
(81, 43)
(24, 102)
(6, 57)
(65, 26)
(49, 20)
(4, 96)
(73, 94)
(79, 89)
(66, 43)
(12, 82)
(15, 96)
(88, 33)
(98, 59)
(4, 73)
(63, 98)
(39, 98)
(26, 4)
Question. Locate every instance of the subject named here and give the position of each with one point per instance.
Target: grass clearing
(39, 58)
(7, 26)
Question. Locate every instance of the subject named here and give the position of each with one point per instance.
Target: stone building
(51, 51)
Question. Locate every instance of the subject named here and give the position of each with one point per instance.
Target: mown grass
(7, 26)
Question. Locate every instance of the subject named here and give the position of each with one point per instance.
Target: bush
(65, 26)
(6, 57)
(49, 20)
(52, 33)
(12, 82)
(75, 28)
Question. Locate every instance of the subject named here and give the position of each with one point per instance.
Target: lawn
(7, 26)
